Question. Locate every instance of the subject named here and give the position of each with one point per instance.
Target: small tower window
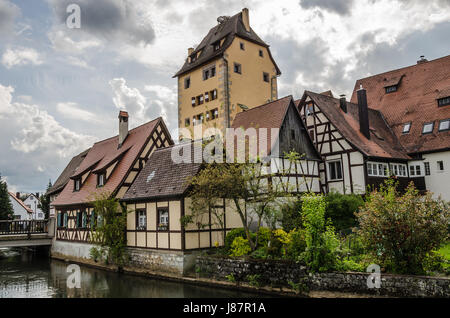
(266, 77)
(444, 101)
(237, 68)
(187, 82)
(261, 54)
(242, 46)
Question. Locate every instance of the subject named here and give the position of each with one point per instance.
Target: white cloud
(32, 130)
(73, 111)
(129, 99)
(21, 56)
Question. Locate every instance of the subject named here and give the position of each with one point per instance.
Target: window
(414, 170)
(261, 53)
(309, 110)
(77, 184)
(198, 119)
(206, 97)
(141, 220)
(398, 170)
(242, 46)
(216, 46)
(84, 219)
(187, 82)
(377, 169)
(444, 101)
(207, 116)
(214, 113)
(193, 101)
(101, 178)
(406, 128)
(440, 165)
(199, 99)
(266, 77)
(237, 68)
(187, 122)
(79, 219)
(213, 94)
(311, 134)
(427, 128)
(59, 220)
(391, 89)
(444, 125)
(209, 72)
(427, 168)
(163, 219)
(65, 219)
(335, 170)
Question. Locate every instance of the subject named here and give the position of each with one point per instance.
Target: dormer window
(391, 89)
(406, 128)
(444, 101)
(77, 184)
(444, 125)
(101, 179)
(428, 128)
(216, 46)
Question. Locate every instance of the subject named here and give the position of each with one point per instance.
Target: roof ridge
(403, 68)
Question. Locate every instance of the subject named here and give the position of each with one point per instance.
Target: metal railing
(12, 227)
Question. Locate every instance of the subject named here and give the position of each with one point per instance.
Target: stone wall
(159, 260)
(71, 249)
(280, 273)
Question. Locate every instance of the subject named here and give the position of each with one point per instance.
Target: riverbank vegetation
(405, 233)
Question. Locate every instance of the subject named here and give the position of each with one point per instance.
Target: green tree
(109, 232)
(400, 230)
(6, 209)
(44, 201)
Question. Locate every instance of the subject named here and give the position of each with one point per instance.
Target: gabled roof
(100, 155)
(20, 202)
(227, 30)
(67, 173)
(162, 177)
(382, 143)
(414, 101)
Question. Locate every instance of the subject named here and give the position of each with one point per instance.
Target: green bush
(260, 253)
(264, 235)
(229, 238)
(401, 230)
(341, 209)
(322, 244)
(291, 217)
(240, 247)
(297, 245)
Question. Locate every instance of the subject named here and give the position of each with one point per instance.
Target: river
(32, 274)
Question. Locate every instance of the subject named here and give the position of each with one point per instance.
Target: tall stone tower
(231, 70)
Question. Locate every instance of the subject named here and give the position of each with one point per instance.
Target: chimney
(18, 195)
(190, 50)
(363, 112)
(37, 195)
(123, 127)
(422, 60)
(246, 19)
(343, 103)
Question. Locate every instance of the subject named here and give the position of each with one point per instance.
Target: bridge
(26, 233)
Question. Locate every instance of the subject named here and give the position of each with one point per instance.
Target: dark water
(32, 274)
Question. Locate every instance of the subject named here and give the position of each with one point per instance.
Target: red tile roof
(382, 142)
(414, 101)
(101, 155)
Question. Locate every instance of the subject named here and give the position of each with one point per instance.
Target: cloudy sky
(61, 88)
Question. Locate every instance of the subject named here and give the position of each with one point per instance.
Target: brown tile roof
(230, 29)
(414, 101)
(101, 155)
(161, 177)
(67, 173)
(382, 142)
(20, 202)
(270, 115)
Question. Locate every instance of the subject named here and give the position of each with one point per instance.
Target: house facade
(415, 102)
(110, 167)
(21, 211)
(231, 70)
(32, 201)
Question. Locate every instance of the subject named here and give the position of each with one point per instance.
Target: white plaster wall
(438, 182)
(19, 210)
(33, 202)
(72, 249)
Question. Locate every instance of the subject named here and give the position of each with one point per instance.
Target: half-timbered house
(110, 166)
(357, 146)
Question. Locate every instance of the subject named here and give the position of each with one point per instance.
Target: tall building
(231, 70)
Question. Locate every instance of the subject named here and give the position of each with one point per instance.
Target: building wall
(33, 203)
(247, 88)
(438, 181)
(19, 210)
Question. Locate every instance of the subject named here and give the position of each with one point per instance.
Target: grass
(445, 251)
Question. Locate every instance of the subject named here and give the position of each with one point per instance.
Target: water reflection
(33, 275)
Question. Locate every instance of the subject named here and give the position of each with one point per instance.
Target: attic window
(444, 101)
(428, 128)
(444, 125)
(216, 46)
(391, 89)
(242, 46)
(77, 184)
(406, 128)
(101, 178)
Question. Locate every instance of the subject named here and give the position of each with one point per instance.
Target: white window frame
(398, 169)
(407, 125)
(427, 125)
(413, 170)
(373, 169)
(443, 122)
(142, 220)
